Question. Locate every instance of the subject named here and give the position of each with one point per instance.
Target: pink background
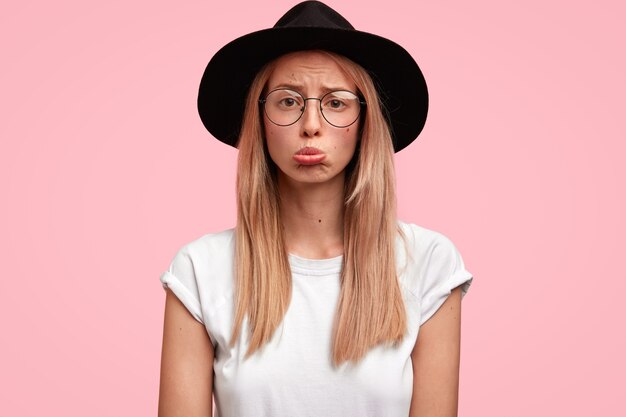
(107, 170)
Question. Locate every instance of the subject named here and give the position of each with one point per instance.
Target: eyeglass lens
(285, 107)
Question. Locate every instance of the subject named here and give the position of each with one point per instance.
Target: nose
(312, 118)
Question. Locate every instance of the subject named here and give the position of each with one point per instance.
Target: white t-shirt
(292, 375)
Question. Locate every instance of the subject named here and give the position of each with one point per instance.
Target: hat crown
(313, 14)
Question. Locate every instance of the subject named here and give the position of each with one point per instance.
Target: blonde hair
(370, 310)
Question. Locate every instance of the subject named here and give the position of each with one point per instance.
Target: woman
(313, 303)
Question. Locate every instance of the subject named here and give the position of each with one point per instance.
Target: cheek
(269, 133)
(346, 145)
(272, 132)
(270, 140)
(275, 139)
(351, 134)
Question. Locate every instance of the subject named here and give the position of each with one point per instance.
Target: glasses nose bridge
(312, 98)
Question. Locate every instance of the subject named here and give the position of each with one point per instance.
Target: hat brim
(227, 77)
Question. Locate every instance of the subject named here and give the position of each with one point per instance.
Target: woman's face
(310, 150)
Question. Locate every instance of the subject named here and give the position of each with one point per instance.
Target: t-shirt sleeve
(181, 279)
(445, 271)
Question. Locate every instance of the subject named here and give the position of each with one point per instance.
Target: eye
(288, 102)
(336, 104)
(285, 100)
(339, 101)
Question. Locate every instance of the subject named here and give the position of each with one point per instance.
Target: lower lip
(309, 159)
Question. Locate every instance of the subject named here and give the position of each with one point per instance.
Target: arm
(436, 360)
(186, 387)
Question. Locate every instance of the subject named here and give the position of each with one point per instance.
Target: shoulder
(423, 241)
(204, 266)
(200, 275)
(210, 243)
(209, 249)
(431, 258)
(433, 269)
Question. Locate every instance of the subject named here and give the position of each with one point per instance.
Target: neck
(312, 217)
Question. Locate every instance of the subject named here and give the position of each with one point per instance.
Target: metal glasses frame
(262, 101)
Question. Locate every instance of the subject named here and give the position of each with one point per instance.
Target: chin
(311, 174)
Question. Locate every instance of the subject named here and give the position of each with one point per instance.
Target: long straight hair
(370, 310)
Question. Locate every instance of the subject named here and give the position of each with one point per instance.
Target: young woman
(313, 303)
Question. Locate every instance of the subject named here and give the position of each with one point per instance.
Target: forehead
(309, 70)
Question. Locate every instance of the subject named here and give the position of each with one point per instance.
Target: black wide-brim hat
(313, 25)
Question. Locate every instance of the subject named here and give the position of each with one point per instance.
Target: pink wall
(106, 170)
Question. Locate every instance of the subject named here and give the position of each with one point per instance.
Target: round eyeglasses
(284, 107)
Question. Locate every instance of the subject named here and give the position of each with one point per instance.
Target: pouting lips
(309, 150)
(309, 156)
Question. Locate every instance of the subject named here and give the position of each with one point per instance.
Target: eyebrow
(299, 87)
